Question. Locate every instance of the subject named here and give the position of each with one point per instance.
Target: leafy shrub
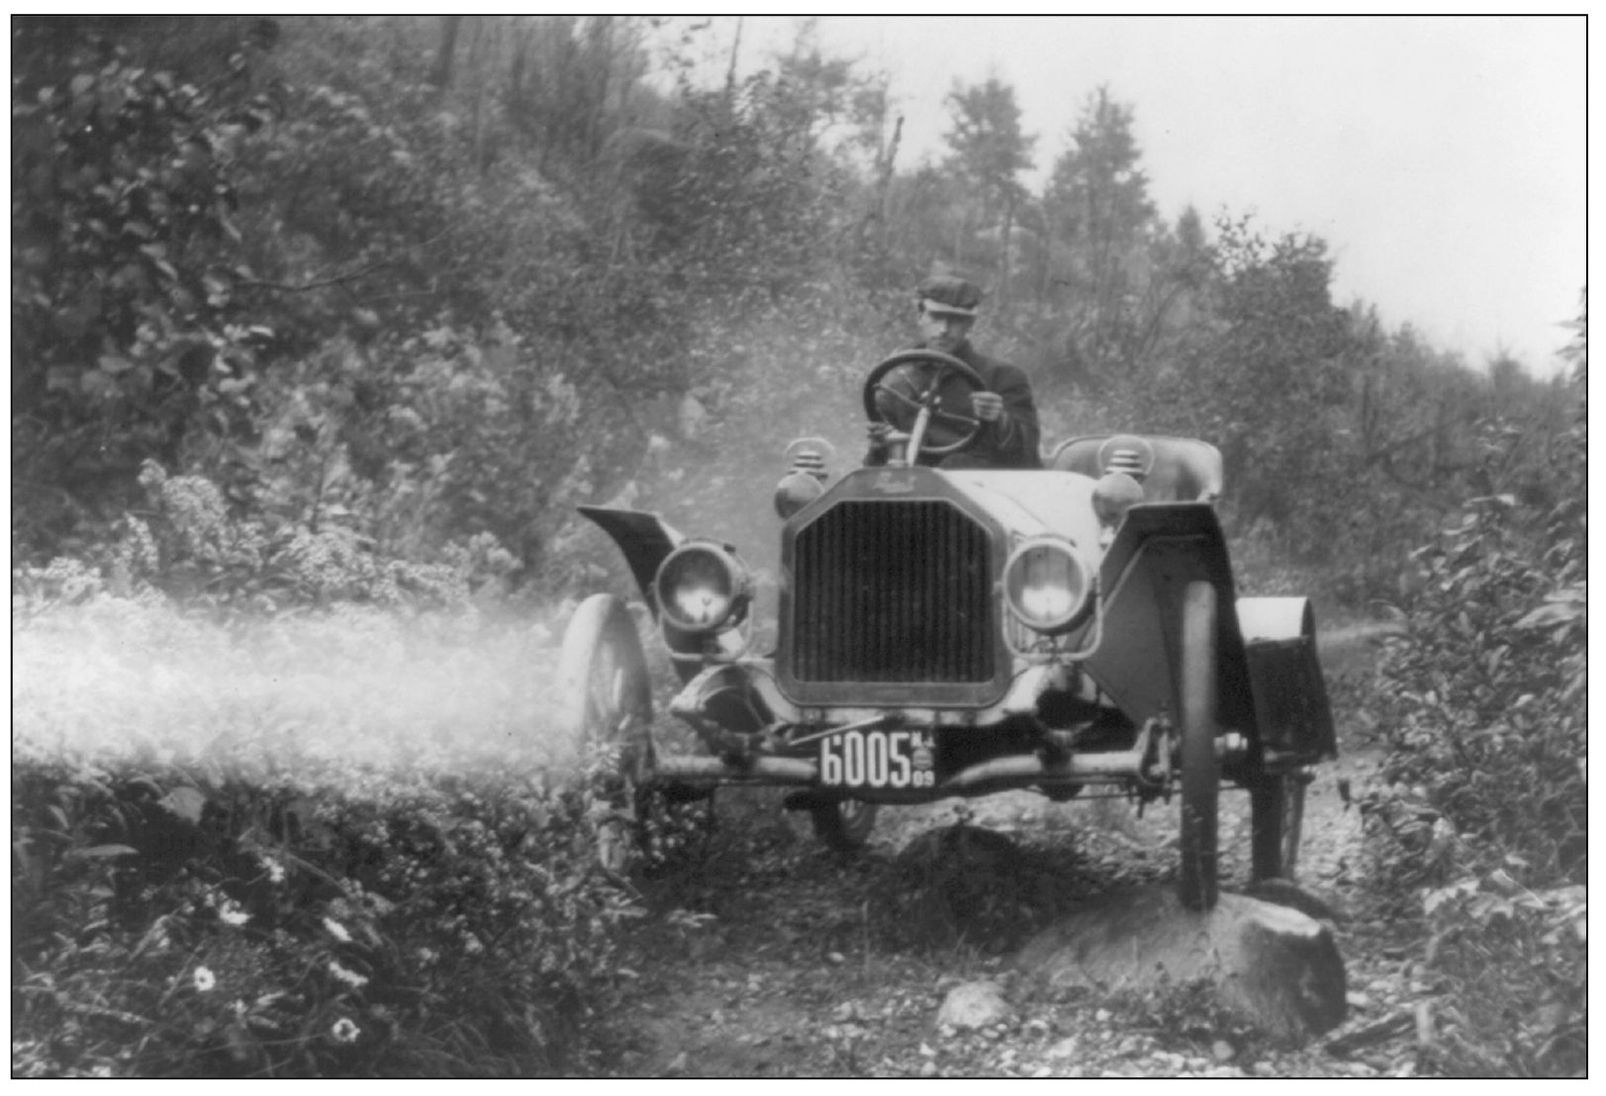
(323, 844)
(1519, 958)
(1485, 814)
(187, 542)
(127, 340)
(1486, 692)
(167, 923)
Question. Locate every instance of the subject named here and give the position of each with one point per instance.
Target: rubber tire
(1276, 816)
(605, 692)
(1201, 768)
(844, 825)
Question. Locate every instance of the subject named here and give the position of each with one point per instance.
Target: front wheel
(606, 716)
(844, 825)
(1201, 769)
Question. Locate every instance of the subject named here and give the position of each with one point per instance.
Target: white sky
(1442, 159)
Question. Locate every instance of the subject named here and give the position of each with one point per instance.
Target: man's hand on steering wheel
(988, 406)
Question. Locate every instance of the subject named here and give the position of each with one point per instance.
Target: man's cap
(949, 295)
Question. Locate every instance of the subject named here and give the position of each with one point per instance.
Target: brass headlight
(1046, 585)
(702, 587)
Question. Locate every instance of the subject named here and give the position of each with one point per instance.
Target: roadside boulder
(973, 1005)
(1274, 966)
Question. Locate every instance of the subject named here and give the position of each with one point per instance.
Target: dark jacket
(1012, 441)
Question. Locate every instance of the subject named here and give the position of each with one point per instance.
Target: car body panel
(644, 538)
(1291, 707)
(892, 619)
(1158, 549)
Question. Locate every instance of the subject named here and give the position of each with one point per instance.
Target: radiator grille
(892, 592)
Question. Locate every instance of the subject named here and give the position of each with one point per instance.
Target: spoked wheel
(1276, 815)
(606, 693)
(1201, 769)
(910, 382)
(844, 825)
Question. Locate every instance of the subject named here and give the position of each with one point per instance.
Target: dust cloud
(712, 457)
(323, 696)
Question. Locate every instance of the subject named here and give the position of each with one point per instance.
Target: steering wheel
(912, 382)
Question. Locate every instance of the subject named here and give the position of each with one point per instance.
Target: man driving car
(1007, 436)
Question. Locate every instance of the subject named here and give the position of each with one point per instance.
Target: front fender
(1158, 550)
(644, 539)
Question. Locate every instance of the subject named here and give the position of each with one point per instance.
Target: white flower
(344, 1031)
(275, 869)
(337, 930)
(231, 914)
(350, 977)
(204, 979)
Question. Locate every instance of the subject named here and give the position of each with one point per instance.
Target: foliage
(171, 921)
(1273, 331)
(1485, 701)
(433, 279)
(321, 845)
(1519, 958)
(126, 338)
(989, 149)
(186, 542)
(1100, 221)
(1187, 1014)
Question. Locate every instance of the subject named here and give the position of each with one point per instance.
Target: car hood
(1031, 503)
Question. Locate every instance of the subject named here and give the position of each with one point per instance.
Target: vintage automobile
(947, 631)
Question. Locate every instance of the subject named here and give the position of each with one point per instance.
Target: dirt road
(769, 956)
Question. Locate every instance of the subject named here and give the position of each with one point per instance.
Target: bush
(170, 923)
(1485, 692)
(322, 844)
(1485, 815)
(1518, 958)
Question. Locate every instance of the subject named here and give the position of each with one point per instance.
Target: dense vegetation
(314, 313)
(1484, 707)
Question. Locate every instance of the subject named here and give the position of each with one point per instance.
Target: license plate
(878, 759)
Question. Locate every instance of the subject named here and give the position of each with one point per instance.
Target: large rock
(973, 1005)
(1276, 967)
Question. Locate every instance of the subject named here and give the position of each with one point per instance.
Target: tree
(1261, 375)
(1099, 223)
(989, 152)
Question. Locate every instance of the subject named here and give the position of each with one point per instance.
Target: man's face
(943, 331)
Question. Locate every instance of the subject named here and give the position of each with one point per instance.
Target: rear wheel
(1276, 815)
(844, 825)
(1201, 769)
